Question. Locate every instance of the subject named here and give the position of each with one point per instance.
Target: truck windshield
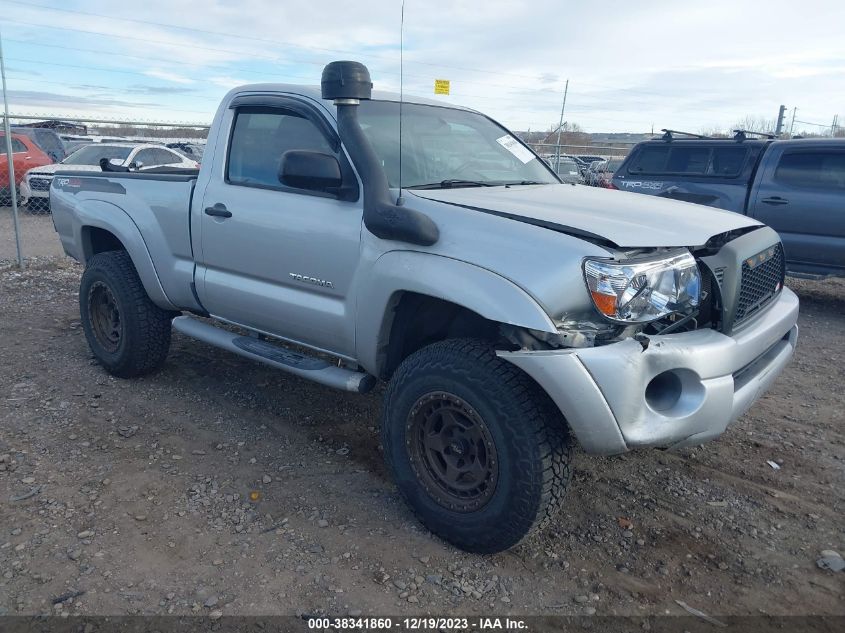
(91, 154)
(446, 147)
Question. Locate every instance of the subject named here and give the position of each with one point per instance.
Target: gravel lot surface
(219, 486)
(38, 238)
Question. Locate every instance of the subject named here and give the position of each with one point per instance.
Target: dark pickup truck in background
(795, 186)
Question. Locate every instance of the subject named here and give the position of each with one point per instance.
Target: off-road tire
(530, 437)
(143, 329)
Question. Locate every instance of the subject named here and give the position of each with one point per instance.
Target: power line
(581, 112)
(136, 73)
(142, 58)
(190, 29)
(152, 41)
(289, 44)
(126, 105)
(299, 46)
(550, 91)
(532, 113)
(811, 123)
(80, 86)
(255, 39)
(88, 119)
(230, 69)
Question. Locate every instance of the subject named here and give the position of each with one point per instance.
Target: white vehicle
(35, 186)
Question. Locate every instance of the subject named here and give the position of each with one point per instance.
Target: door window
(815, 169)
(649, 160)
(727, 161)
(260, 137)
(17, 146)
(147, 158)
(166, 157)
(689, 159)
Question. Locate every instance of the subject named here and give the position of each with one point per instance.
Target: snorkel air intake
(347, 83)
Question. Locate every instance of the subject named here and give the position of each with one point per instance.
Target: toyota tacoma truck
(510, 315)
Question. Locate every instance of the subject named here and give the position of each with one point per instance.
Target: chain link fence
(550, 151)
(41, 146)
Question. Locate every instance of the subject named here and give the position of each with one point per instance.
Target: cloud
(228, 82)
(682, 65)
(168, 76)
(36, 98)
(159, 90)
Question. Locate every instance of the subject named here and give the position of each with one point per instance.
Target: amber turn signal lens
(605, 303)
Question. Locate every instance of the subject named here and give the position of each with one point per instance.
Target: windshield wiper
(525, 182)
(455, 182)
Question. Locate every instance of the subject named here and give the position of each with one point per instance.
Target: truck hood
(625, 219)
(49, 170)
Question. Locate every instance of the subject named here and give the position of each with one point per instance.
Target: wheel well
(419, 320)
(97, 240)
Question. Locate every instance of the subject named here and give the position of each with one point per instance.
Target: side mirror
(314, 171)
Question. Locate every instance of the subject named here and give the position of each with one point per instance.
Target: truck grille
(40, 184)
(762, 280)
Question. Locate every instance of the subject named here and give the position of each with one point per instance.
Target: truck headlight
(642, 290)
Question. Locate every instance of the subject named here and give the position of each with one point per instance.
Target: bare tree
(145, 131)
(713, 132)
(756, 123)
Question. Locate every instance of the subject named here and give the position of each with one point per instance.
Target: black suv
(795, 186)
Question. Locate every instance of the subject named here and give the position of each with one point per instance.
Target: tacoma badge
(311, 280)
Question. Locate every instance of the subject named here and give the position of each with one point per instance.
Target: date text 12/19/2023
(478, 623)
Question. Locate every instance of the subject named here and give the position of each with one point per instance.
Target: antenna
(400, 200)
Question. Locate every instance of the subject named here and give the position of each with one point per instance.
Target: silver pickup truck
(509, 314)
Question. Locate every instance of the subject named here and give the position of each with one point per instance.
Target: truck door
(801, 194)
(274, 258)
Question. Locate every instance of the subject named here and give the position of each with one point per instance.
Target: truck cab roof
(314, 92)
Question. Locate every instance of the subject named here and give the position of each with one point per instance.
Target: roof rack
(668, 135)
(741, 135)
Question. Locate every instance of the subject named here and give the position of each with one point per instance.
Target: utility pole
(779, 127)
(792, 126)
(833, 125)
(560, 127)
(9, 157)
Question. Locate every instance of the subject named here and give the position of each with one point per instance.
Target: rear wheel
(128, 334)
(477, 449)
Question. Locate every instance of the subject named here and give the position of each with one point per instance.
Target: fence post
(9, 157)
(560, 128)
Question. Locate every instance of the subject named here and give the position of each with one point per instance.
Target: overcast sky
(632, 65)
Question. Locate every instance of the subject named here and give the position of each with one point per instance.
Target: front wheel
(477, 449)
(128, 334)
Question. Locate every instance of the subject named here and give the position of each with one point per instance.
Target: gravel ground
(219, 486)
(38, 238)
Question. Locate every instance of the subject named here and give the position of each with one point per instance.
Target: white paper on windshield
(516, 148)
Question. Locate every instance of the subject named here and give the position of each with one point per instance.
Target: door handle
(775, 200)
(219, 210)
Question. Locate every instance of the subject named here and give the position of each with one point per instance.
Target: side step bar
(308, 367)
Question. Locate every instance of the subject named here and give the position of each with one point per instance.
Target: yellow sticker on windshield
(441, 86)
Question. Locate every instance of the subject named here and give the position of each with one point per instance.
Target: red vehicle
(25, 155)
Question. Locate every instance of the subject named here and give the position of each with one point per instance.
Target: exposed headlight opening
(644, 290)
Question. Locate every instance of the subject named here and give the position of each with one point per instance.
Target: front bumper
(683, 390)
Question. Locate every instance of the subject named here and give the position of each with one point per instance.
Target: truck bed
(149, 212)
